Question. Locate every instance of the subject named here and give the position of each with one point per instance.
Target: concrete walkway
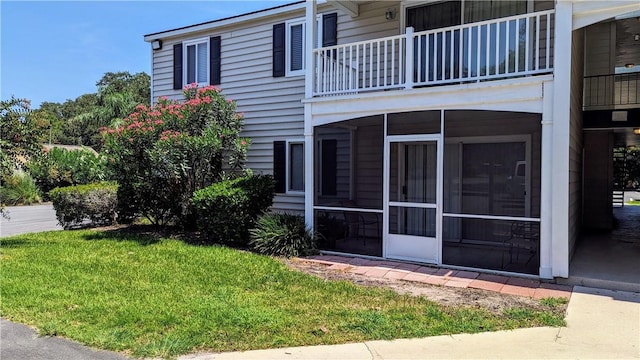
(26, 219)
(601, 324)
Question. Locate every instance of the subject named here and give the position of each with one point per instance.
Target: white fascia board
(520, 95)
(224, 22)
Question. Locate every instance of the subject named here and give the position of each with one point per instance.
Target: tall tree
(21, 135)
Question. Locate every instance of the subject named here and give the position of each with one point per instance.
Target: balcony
(501, 48)
(612, 92)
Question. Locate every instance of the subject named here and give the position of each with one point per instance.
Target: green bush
(19, 189)
(61, 167)
(90, 204)
(282, 235)
(228, 209)
(160, 156)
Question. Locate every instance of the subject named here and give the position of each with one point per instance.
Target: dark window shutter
(329, 166)
(280, 165)
(177, 66)
(330, 29)
(278, 50)
(214, 60)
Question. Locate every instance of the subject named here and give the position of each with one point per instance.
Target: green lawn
(163, 297)
(633, 202)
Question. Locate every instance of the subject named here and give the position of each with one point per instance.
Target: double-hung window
(196, 54)
(295, 45)
(296, 166)
(197, 61)
(288, 166)
(289, 43)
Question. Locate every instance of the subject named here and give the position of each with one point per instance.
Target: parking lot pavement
(26, 219)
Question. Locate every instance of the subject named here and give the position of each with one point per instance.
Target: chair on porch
(356, 223)
(523, 241)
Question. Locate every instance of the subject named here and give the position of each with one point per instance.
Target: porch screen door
(412, 221)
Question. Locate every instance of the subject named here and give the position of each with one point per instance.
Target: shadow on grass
(23, 240)
(152, 234)
(141, 234)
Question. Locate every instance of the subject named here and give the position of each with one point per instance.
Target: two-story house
(458, 133)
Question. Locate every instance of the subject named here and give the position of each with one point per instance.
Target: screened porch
(458, 188)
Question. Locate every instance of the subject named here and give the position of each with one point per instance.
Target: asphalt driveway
(21, 342)
(26, 219)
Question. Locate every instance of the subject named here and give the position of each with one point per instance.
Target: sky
(58, 50)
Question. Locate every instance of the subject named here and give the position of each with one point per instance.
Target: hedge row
(91, 204)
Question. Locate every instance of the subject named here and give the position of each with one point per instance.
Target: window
(197, 64)
(288, 166)
(197, 61)
(296, 167)
(295, 45)
(289, 43)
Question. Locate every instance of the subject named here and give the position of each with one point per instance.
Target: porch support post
(546, 186)
(310, 35)
(561, 139)
(408, 81)
(309, 166)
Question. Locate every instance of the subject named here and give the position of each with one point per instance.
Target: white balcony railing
(501, 48)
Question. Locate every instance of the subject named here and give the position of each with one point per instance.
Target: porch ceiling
(625, 137)
(623, 131)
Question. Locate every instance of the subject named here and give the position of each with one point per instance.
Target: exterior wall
(600, 54)
(368, 166)
(598, 179)
(576, 141)
(370, 24)
(272, 106)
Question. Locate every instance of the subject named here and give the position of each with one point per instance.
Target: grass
(160, 297)
(633, 202)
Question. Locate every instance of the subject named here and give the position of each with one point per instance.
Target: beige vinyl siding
(272, 107)
(576, 141)
(368, 166)
(370, 24)
(599, 55)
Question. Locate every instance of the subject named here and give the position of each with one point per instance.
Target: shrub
(19, 189)
(228, 209)
(61, 167)
(90, 204)
(161, 155)
(282, 235)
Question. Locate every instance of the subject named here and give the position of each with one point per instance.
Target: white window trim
(289, 142)
(287, 45)
(185, 60)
